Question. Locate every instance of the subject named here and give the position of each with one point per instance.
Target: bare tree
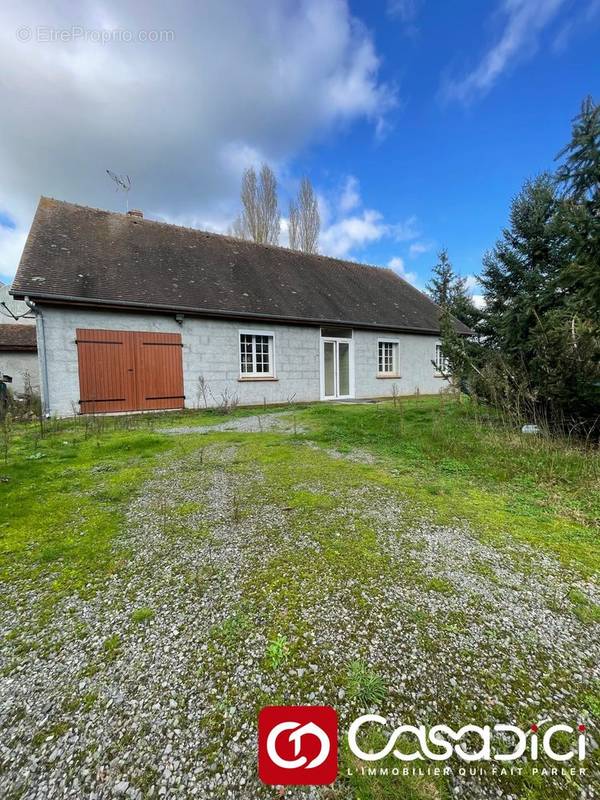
(259, 218)
(294, 225)
(305, 222)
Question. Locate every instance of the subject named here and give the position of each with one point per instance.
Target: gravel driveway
(151, 688)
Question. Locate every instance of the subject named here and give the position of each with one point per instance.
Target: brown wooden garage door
(129, 371)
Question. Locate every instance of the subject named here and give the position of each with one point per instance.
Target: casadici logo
(298, 745)
(499, 742)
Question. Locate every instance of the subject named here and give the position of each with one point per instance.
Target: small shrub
(364, 685)
(202, 391)
(277, 651)
(226, 403)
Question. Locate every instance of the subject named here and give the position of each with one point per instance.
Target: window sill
(383, 376)
(248, 378)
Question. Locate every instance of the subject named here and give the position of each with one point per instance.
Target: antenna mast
(123, 184)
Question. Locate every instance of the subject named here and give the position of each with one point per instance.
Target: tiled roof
(18, 337)
(79, 254)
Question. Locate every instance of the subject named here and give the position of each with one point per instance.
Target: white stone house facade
(134, 315)
(211, 351)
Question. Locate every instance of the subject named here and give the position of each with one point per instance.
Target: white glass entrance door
(336, 369)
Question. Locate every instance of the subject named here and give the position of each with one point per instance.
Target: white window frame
(441, 363)
(351, 386)
(271, 345)
(395, 373)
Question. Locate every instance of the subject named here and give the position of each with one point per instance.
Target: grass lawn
(415, 559)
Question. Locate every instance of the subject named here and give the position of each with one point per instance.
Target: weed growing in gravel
(52, 732)
(112, 647)
(143, 614)
(364, 685)
(236, 507)
(277, 651)
(591, 700)
(83, 703)
(440, 585)
(233, 628)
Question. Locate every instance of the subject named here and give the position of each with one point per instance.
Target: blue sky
(416, 121)
(456, 163)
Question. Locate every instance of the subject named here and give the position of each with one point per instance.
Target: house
(18, 347)
(18, 357)
(134, 315)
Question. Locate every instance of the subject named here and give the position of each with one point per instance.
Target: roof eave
(57, 299)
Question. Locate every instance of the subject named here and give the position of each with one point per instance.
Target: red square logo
(297, 745)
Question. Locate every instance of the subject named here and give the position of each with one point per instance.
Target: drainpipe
(41, 341)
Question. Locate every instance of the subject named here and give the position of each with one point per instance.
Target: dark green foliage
(449, 291)
(440, 285)
(539, 355)
(579, 179)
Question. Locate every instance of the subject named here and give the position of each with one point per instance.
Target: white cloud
(352, 232)
(478, 300)
(347, 226)
(397, 264)
(184, 117)
(519, 38)
(350, 198)
(418, 248)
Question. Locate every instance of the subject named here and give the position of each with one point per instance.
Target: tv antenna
(123, 184)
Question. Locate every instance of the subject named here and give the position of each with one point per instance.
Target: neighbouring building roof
(85, 255)
(11, 308)
(18, 337)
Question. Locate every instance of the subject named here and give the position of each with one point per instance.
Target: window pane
(329, 368)
(441, 363)
(388, 355)
(246, 353)
(255, 354)
(336, 333)
(344, 368)
(262, 354)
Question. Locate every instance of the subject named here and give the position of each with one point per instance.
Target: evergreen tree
(440, 285)
(521, 274)
(541, 343)
(578, 179)
(450, 292)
